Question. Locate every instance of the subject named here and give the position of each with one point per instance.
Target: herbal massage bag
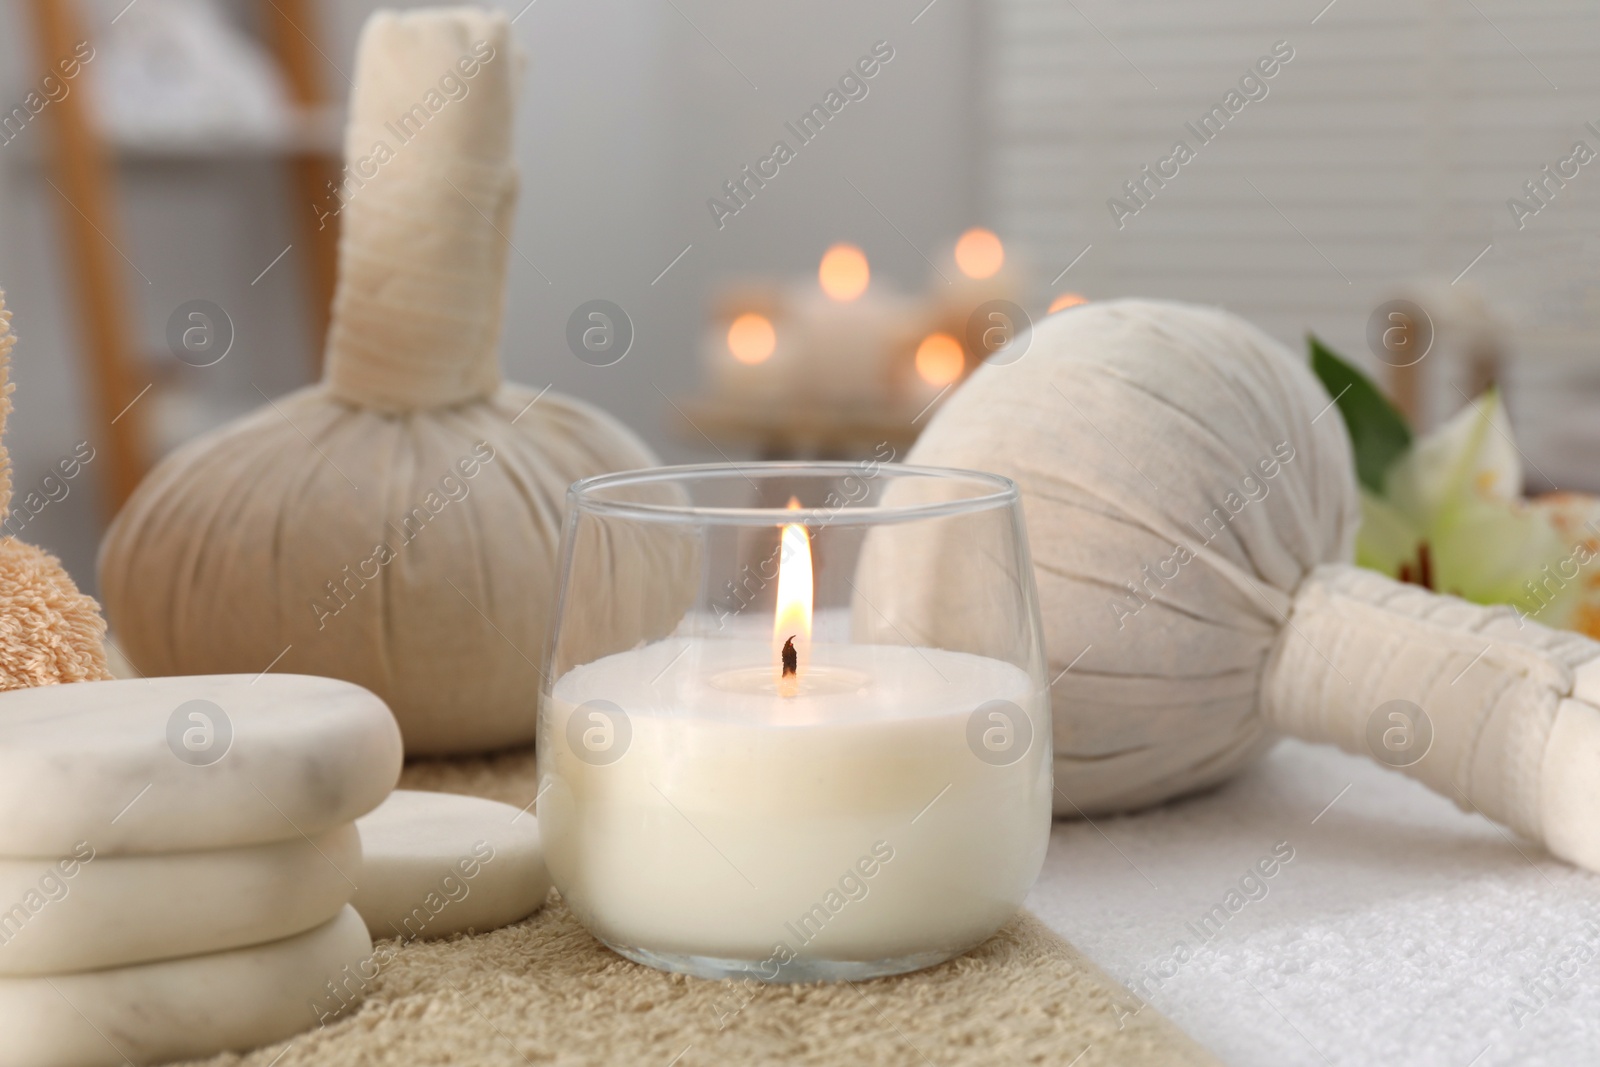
(1191, 507)
(397, 524)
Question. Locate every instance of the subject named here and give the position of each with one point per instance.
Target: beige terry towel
(544, 992)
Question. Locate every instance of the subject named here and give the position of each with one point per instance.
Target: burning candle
(739, 798)
(849, 329)
(751, 339)
(749, 347)
(940, 362)
(979, 253)
(979, 270)
(843, 273)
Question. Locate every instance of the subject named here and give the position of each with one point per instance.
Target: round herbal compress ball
(1181, 474)
(396, 525)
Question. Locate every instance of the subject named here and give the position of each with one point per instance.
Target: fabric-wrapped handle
(426, 203)
(1483, 706)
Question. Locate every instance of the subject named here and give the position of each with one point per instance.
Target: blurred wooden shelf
(83, 167)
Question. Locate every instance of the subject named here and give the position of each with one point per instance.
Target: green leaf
(1378, 432)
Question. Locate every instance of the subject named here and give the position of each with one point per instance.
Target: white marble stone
(85, 911)
(191, 1007)
(127, 766)
(436, 864)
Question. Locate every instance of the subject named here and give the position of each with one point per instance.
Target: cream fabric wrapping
(1490, 684)
(1131, 427)
(1191, 506)
(414, 322)
(397, 525)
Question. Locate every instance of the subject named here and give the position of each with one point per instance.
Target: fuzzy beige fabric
(511, 777)
(545, 992)
(49, 632)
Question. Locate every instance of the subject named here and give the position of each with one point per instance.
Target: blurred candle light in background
(979, 253)
(1066, 300)
(844, 273)
(940, 359)
(752, 339)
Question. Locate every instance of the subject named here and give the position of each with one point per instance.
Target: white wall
(631, 119)
(1382, 156)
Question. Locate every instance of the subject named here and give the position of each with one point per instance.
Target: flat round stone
(181, 764)
(435, 864)
(186, 1008)
(85, 911)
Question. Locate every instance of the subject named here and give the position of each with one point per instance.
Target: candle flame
(843, 273)
(791, 626)
(940, 359)
(752, 339)
(979, 253)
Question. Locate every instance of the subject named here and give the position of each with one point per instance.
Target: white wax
(846, 349)
(738, 820)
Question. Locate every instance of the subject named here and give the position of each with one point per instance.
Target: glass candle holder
(812, 742)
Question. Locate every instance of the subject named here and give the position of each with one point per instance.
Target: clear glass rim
(1003, 492)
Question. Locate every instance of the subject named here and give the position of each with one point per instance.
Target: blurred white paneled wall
(1333, 156)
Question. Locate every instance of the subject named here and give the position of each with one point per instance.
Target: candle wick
(791, 659)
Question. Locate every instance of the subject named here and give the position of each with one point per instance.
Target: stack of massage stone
(177, 858)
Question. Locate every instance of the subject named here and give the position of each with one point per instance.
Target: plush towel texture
(49, 632)
(545, 992)
(1402, 931)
